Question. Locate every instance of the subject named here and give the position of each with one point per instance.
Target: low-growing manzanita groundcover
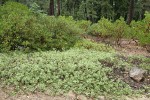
(78, 70)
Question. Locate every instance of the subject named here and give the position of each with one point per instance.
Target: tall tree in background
(51, 8)
(2, 2)
(146, 6)
(58, 7)
(120, 8)
(92, 10)
(130, 11)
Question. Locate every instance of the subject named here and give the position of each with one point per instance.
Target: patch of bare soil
(40, 96)
(127, 47)
(37, 96)
(131, 48)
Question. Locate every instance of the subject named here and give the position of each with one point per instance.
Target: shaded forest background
(92, 10)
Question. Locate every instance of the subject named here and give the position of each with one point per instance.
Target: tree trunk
(85, 10)
(2, 2)
(51, 8)
(130, 11)
(58, 7)
(145, 3)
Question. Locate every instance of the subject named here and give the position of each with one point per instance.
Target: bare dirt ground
(132, 48)
(127, 47)
(40, 96)
(37, 96)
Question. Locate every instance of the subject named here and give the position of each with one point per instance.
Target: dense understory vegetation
(61, 70)
(26, 29)
(21, 28)
(117, 30)
(77, 70)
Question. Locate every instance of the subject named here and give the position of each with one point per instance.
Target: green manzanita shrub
(21, 28)
(94, 30)
(90, 45)
(140, 30)
(13, 19)
(133, 30)
(103, 28)
(106, 28)
(120, 30)
(78, 70)
(64, 32)
(144, 27)
(84, 25)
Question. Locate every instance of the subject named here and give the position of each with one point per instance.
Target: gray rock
(137, 74)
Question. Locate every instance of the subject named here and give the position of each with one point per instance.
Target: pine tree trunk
(51, 8)
(144, 2)
(85, 10)
(130, 11)
(2, 2)
(58, 5)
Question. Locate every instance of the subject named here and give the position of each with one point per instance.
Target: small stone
(71, 96)
(137, 74)
(101, 97)
(81, 97)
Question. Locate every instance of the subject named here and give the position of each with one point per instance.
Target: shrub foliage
(78, 70)
(115, 31)
(21, 28)
(27, 29)
(91, 45)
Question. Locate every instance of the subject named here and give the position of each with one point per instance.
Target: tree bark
(58, 7)
(51, 8)
(2, 2)
(130, 11)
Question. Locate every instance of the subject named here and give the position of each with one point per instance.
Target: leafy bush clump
(65, 33)
(140, 31)
(137, 30)
(88, 44)
(144, 26)
(94, 30)
(60, 72)
(120, 30)
(106, 29)
(13, 18)
(21, 28)
(84, 25)
(103, 28)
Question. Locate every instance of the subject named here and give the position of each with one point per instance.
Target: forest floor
(131, 48)
(126, 49)
(41, 96)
